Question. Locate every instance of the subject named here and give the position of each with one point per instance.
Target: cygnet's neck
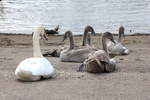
(36, 45)
(71, 42)
(121, 34)
(84, 38)
(104, 38)
(120, 37)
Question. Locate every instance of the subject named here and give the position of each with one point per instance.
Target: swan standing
(36, 67)
(117, 48)
(99, 61)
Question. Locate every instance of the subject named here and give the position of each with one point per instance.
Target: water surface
(21, 16)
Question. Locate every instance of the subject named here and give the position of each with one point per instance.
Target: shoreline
(115, 34)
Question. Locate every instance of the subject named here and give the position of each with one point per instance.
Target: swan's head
(109, 36)
(89, 29)
(68, 34)
(40, 30)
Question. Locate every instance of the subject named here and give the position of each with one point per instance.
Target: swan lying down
(74, 53)
(117, 48)
(99, 61)
(33, 69)
(86, 41)
(36, 67)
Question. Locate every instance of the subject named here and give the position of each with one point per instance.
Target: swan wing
(101, 56)
(76, 55)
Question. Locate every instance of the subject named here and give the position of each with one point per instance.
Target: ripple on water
(20, 16)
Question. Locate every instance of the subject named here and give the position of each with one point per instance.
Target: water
(21, 16)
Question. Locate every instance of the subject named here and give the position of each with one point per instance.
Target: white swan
(99, 61)
(36, 67)
(117, 48)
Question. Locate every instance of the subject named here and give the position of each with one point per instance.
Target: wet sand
(131, 80)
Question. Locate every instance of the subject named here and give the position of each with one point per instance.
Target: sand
(131, 80)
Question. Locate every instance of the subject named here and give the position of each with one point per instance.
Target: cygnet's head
(108, 35)
(89, 29)
(68, 34)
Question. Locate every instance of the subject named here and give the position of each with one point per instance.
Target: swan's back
(75, 53)
(99, 62)
(34, 67)
(78, 54)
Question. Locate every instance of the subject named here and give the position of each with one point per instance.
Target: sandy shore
(130, 82)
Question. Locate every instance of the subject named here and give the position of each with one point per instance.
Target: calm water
(21, 16)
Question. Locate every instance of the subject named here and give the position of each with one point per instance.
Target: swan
(99, 61)
(74, 53)
(117, 48)
(85, 42)
(52, 31)
(36, 67)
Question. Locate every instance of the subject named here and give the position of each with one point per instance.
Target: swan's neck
(36, 45)
(120, 37)
(71, 42)
(84, 38)
(88, 39)
(104, 45)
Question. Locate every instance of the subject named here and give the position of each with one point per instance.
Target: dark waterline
(21, 16)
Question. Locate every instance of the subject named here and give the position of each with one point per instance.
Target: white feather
(37, 66)
(32, 69)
